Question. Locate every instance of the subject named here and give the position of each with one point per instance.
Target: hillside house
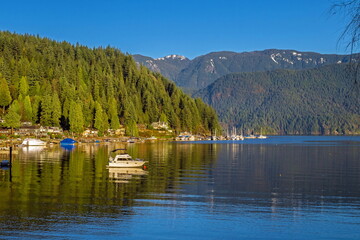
(160, 125)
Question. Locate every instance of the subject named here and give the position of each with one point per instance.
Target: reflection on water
(123, 175)
(207, 190)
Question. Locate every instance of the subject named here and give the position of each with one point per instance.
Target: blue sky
(191, 28)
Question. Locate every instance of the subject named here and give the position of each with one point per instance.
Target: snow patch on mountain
(288, 61)
(173, 56)
(152, 66)
(272, 56)
(210, 68)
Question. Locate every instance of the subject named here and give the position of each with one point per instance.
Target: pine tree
(24, 87)
(46, 111)
(115, 124)
(36, 109)
(56, 110)
(106, 125)
(163, 118)
(12, 118)
(76, 118)
(5, 97)
(28, 111)
(99, 119)
(132, 129)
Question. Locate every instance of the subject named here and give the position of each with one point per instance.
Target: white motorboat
(33, 142)
(123, 160)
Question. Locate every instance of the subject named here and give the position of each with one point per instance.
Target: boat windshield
(119, 151)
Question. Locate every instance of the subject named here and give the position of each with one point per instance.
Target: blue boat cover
(68, 141)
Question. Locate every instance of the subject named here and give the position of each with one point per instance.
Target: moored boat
(33, 142)
(123, 160)
(68, 141)
(250, 136)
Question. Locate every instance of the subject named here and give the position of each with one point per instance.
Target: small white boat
(33, 142)
(250, 136)
(123, 160)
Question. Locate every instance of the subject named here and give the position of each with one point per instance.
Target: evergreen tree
(106, 124)
(28, 111)
(163, 118)
(12, 118)
(132, 129)
(5, 97)
(24, 87)
(36, 109)
(46, 111)
(76, 118)
(56, 110)
(115, 124)
(99, 119)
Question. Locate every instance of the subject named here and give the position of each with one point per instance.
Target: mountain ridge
(205, 69)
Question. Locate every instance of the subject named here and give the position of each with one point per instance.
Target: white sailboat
(261, 136)
(213, 137)
(236, 137)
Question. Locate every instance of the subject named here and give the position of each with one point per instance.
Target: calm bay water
(277, 188)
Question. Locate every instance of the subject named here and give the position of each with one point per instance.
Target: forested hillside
(58, 84)
(316, 101)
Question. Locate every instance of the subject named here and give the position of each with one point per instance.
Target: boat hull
(33, 142)
(126, 164)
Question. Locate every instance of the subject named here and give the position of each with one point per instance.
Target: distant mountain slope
(315, 101)
(203, 70)
(169, 66)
